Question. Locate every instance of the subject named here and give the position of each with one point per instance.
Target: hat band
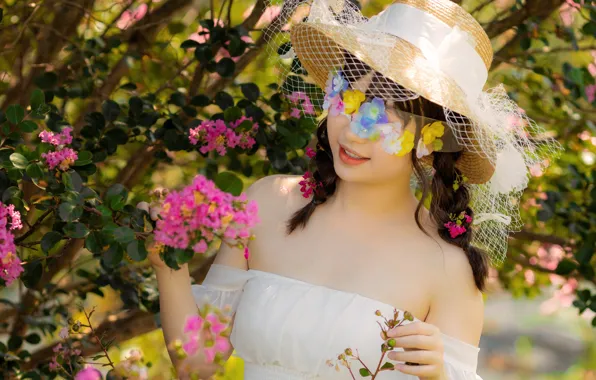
(450, 50)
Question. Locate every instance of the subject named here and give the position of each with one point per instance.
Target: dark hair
(445, 200)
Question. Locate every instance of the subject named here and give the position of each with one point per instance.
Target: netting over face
(499, 141)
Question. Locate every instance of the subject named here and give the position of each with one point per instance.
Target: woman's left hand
(423, 346)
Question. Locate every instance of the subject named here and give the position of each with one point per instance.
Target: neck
(381, 200)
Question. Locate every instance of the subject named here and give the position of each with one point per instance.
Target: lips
(351, 157)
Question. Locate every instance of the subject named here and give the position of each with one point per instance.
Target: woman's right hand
(154, 259)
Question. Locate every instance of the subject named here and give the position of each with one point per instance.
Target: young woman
(403, 100)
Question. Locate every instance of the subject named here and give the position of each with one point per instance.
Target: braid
(446, 202)
(324, 175)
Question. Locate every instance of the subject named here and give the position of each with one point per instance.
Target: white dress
(286, 329)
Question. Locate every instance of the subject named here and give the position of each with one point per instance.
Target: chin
(360, 173)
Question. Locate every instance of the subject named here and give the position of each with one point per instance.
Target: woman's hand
(423, 353)
(156, 262)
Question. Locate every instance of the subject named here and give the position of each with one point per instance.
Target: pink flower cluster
(200, 213)
(88, 373)
(63, 158)
(57, 139)
(456, 227)
(209, 332)
(306, 105)
(66, 353)
(216, 135)
(308, 184)
(128, 18)
(310, 153)
(10, 264)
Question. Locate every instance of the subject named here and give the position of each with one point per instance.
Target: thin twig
(33, 227)
(103, 348)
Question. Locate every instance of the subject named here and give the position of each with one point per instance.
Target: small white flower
(421, 149)
(391, 142)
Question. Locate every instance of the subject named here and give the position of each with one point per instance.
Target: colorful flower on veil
(352, 100)
(369, 114)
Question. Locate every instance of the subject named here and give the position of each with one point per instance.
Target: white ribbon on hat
(483, 217)
(448, 49)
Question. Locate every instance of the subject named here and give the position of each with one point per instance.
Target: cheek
(391, 165)
(335, 125)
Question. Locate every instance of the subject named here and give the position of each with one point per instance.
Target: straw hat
(433, 48)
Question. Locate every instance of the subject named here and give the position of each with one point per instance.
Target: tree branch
(540, 9)
(544, 238)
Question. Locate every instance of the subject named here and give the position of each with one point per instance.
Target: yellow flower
(430, 132)
(352, 100)
(407, 143)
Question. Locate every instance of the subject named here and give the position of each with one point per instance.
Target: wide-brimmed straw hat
(433, 48)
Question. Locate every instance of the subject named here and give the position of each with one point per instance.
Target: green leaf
(70, 212)
(50, 240)
(27, 126)
(224, 100)
(225, 67)
(19, 161)
(34, 171)
(136, 250)
(200, 101)
(118, 135)
(72, 180)
(95, 242)
(116, 196)
(177, 99)
(204, 53)
(229, 182)
(189, 44)
(113, 255)
(387, 365)
(76, 230)
(15, 342)
(33, 338)
(15, 114)
(110, 110)
(135, 104)
(32, 273)
(47, 80)
(232, 114)
(124, 235)
(38, 99)
(84, 158)
(585, 253)
(364, 372)
(250, 91)
(183, 256)
(565, 267)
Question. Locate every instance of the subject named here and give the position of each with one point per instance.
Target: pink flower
(215, 325)
(308, 185)
(454, 229)
(130, 17)
(468, 219)
(57, 139)
(193, 324)
(200, 213)
(216, 135)
(591, 92)
(246, 253)
(336, 106)
(308, 107)
(295, 113)
(88, 373)
(221, 344)
(54, 364)
(192, 346)
(57, 347)
(64, 333)
(63, 159)
(310, 153)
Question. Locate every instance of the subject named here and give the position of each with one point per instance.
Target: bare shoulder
(277, 195)
(457, 307)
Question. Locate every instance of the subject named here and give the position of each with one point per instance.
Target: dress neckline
(295, 280)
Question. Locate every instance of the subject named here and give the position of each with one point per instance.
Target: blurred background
(187, 59)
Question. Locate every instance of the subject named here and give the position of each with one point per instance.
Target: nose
(353, 137)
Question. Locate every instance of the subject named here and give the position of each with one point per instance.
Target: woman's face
(359, 159)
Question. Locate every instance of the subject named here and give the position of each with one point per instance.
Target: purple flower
(89, 373)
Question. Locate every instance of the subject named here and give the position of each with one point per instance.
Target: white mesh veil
(499, 142)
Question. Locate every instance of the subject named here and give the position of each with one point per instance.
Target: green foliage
(132, 98)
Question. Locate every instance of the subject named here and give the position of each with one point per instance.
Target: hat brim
(319, 48)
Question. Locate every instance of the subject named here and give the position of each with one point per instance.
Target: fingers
(419, 357)
(414, 328)
(430, 370)
(419, 342)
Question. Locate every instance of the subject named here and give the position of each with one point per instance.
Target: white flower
(64, 333)
(421, 149)
(392, 142)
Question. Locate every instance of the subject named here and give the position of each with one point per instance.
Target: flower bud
(348, 351)
(391, 342)
(408, 316)
(143, 206)
(378, 313)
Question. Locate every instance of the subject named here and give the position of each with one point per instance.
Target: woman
(403, 99)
